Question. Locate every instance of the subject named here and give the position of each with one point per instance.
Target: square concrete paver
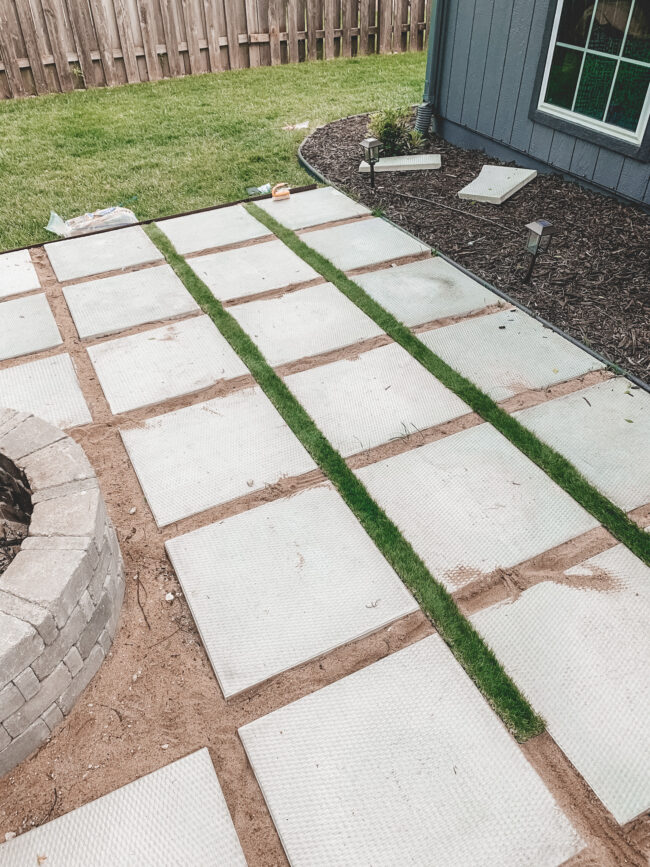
(426, 290)
(407, 163)
(312, 208)
(604, 431)
(27, 326)
(382, 395)
(367, 242)
(249, 270)
(508, 352)
(304, 323)
(580, 655)
(212, 452)
(162, 363)
(126, 300)
(268, 589)
(47, 388)
(17, 273)
(472, 503)
(175, 815)
(215, 228)
(96, 254)
(403, 762)
(495, 184)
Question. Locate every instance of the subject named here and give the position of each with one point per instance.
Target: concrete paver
(17, 273)
(97, 254)
(27, 326)
(47, 388)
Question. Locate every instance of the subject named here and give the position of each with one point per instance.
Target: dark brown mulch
(594, 283)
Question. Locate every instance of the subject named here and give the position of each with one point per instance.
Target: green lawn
(180, 144)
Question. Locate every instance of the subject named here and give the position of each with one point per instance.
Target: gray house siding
(491, 52)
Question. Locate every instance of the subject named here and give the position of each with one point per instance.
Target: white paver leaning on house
(47, 388)
(580, 655)
(112, 304)
(175, 815)
(281, 584)
(27, 326)
(105, 251)
(214, 228)
(212, 452)
(17, 273)
(162, 363)
(382, 395)
(403, 762)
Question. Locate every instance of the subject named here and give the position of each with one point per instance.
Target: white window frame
(634, 137)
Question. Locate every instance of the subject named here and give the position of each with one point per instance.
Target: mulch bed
(594, 282)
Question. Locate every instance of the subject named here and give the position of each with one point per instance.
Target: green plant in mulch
(394, 130)
(466, 644)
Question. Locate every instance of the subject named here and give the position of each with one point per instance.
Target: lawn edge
(466, 644)
(554, 464)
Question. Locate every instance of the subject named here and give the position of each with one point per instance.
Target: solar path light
(370, 147)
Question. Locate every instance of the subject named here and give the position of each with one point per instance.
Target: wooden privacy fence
(59, 45)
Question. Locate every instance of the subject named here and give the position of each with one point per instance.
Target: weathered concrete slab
(47, 388)
(366, 242)
(312, 208)
(96, 254)
(162, 363)
(268, 589)
(495, 184)
(508, 352)
(175, 815)
(580, 654)
(304, 323)
(472, 503)
(212, 452)
(215, 228)
(604, 431)
(426, 290)
(407, 163)
(249, 270)
(382, 395)
(403, 762)
(27, 326)
(126, 300)
(17, 273)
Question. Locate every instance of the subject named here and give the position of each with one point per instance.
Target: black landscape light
(538, 241)
(370, 147)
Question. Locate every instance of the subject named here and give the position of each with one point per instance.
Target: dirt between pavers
(156, 699)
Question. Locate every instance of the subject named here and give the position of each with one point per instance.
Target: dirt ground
(595, 281)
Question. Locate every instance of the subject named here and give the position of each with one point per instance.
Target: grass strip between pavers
(547, 458)
(467, 645)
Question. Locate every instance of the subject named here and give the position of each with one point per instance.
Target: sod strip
(468, 647)
(548, 459)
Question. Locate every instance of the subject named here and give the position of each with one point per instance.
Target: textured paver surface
(212, 452)
(422, 291)
(312, 208)
(17, 273)
(249, 270)
(495, 184)
(27, 326)
(162, 363)
(382, 395)
(216, 228)
(605, 432)
(96, 254)
(508, 352)
(389, 766)
(580, 654)
(47, 388)
(409, 163)
(472, 503)
(366, 242)
(303, 323)
(122, 301)
(269, 590)
(175, 815)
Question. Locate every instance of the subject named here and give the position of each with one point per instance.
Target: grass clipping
(466, 644)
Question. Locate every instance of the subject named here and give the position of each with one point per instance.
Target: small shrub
(393, 129)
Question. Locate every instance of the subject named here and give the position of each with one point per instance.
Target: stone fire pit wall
(61, 595)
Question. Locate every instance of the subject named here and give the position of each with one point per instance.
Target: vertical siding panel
(481, 33)
(634, 179)
(448, 40)
(562, 150)
(608, 168)
(494, 66)
(541, 141)
(584, 159)
(646, 198)
(522, 128)
(513, 70)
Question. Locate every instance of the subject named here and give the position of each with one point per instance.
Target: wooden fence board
(313, 23)
(30, 38)
(125, 31)
(329, 24)
(364, 21)
(253, 26)
(214, 27)
(292, 30)
(385, 14)
(346, 24)
(192, 37)
(274, 32)
(230, 9)
(104, 42)
(150, 42)
(55, 24)
(9, 54)
(84, 36)
(170, 27)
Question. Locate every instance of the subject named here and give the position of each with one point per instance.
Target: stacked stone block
(60, 597)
